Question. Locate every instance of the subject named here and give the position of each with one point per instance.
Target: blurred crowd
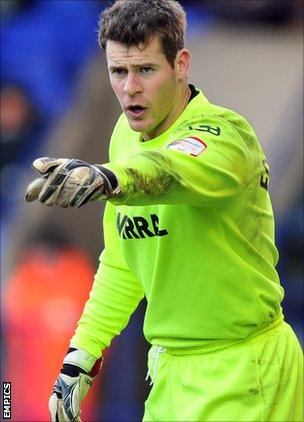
(56, 100)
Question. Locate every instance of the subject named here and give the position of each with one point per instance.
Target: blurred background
(56, 101)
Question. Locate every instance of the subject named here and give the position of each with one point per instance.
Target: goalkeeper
(189, 225)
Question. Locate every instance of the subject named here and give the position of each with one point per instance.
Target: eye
(118, 71)
(146, 70)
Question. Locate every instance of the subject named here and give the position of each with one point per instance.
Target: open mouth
(136, 110)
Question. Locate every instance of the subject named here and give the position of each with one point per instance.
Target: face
(148, 89)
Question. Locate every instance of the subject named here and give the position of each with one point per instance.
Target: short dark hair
(132, 22)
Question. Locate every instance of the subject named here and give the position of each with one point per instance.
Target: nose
(132, 84)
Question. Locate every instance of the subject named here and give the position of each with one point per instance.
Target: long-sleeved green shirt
(193, 231)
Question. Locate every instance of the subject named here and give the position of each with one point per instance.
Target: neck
(181, 100)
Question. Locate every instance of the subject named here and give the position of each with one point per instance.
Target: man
(189, 225)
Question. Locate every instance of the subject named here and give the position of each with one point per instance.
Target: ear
(182, 63)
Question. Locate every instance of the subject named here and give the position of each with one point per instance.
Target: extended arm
(178, 172)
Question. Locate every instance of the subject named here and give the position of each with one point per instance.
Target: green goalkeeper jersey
(192, 231)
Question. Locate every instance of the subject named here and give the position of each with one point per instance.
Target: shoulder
(207, 119)
(121, 124)
(122, 130)
(228, 117)
(122, 139)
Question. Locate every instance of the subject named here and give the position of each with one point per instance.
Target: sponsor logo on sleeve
(192, 145)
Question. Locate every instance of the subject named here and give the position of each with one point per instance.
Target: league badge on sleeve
(192, 145)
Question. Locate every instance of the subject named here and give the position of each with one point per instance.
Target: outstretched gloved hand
(69, 182)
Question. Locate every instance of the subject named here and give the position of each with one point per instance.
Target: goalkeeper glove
(72, 385)
(72, 182)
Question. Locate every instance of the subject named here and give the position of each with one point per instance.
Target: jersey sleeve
(196, 168)
(114, 296)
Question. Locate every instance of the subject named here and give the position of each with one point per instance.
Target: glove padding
(68, 393)
(72, 385)
(68, 182)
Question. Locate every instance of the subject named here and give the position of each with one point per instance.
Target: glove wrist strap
(111, 185)
(80, 358)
